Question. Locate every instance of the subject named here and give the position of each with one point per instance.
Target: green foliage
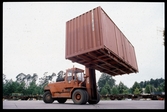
(153, 85)
(154, 82)
(7, 87)
(130, 91)
(136, 85)
(122, 88)
(13, 87)
(136, 91)
(105, 79)
(162, 85)
(31, 90)
(108, 88)
(103, 91)
(149, 89)
(20, 87)
(115, 90)
(126, 91)
(106, 85)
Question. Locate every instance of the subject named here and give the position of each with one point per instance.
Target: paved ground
(103, 104)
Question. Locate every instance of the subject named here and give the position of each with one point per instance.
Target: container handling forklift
(76, 85)
(93, 40)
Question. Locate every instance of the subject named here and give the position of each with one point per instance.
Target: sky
(34, 36)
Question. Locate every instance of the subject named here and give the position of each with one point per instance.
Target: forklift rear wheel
(79, 96)
(47, 97)
(62, 100)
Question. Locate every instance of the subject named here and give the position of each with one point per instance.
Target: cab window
(69, 76)
(80, 76)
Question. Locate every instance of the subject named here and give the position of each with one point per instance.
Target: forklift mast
(91, 83)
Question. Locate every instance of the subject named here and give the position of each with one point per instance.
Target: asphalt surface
(103, 104)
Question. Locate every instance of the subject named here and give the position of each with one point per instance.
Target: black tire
(62, 100)
(95, 102)
(79, 96)
(87, 96)
(47, 97)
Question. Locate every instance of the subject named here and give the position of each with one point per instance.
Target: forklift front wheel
(79, 96)
(47, 97)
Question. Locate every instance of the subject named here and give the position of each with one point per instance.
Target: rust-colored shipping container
(93, 40)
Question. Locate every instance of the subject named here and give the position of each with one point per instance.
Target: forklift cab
(75, 74)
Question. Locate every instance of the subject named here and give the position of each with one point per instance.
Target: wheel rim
(77, 96)
(48, 97)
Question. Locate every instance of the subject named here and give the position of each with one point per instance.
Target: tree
(11, 87)
(103, 91)
(152, 81)
(136, 85)
(136, 91)
(142, 84)
(32, 89)
(108, 88)
(161, 87)
(126, 91)
(60, 76)
(122, 88)
(149, 88)
(34, 77)
(105, 78)
(45, 79)
(130, 90)
(27, 79)
(20, 88)
(114, 90)
(20, 77)
(53, 75)
(5, 88)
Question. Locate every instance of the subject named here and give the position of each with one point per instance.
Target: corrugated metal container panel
(93, 39)
(119, 43)
(82, 34)
(108, 33)
(133, 57)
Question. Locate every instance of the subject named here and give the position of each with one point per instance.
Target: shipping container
(94, 40)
